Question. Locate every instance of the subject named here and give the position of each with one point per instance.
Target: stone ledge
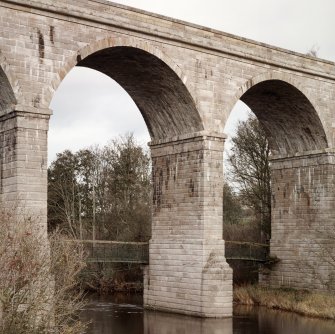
(302, 155)
(189, 137)
(23, 111)
(304, 159)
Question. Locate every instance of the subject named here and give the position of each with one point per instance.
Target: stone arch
(9, 87)
(286, 112)
(156, 84)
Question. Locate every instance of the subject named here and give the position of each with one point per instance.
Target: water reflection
(260, 320)
(123, 314)
(116, 314)
(165, 323)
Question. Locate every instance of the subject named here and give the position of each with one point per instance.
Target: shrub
(38, 292)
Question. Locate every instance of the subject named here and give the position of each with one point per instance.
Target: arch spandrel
(156, 84)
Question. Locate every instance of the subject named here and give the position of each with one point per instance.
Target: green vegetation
(313, 304)
(102, 193)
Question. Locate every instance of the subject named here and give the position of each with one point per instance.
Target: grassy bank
(307, 303)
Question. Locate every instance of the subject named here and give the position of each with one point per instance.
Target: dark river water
(124, 314)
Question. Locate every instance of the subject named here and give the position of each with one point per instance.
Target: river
(124, 314)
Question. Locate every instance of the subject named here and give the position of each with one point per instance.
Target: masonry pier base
(188, 272)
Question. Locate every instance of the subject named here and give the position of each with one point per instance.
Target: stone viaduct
(185, 80)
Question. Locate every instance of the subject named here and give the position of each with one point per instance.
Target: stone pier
(188, 272)
(185, 80)
(303, 235)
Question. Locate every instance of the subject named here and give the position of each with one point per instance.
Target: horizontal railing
(104, 251)
(116, 251)
(246, 251)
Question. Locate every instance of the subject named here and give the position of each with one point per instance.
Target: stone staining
(185, 80)
(41, 46)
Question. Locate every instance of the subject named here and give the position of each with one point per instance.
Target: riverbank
(108, 278)
(312, 304)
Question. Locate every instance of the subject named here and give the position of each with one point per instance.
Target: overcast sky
(90, 108)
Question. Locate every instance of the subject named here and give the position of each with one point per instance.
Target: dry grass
(38, 293)
(313, 304)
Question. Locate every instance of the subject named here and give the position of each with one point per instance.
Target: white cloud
(91, 108)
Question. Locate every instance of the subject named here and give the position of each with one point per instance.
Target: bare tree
(250, 171)
(232, 209)
(63, 192)
(102, 193)
(129, 189)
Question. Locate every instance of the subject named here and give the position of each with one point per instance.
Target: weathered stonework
(303, 235)
(185, 80)
(23, 138)
(187, 229)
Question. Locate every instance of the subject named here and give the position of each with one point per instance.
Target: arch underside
(165, 103)
(288, 117)
(7, 97)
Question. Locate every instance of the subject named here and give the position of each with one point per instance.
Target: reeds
(309, 303)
